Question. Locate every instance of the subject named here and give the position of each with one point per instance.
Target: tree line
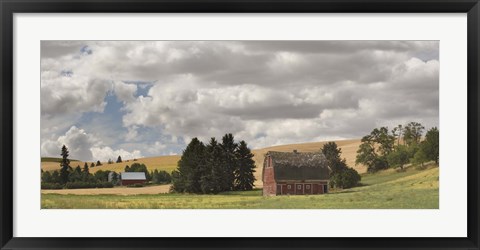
(215, 167)
(384, 148)
(77, 177)
(69, 177)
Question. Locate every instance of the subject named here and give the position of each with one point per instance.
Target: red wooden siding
(130, 182)
(308, 188)
(297, 188)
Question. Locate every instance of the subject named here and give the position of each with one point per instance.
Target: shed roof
(299, 166)
(132, 176)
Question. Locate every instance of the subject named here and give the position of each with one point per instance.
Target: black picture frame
(10, 7)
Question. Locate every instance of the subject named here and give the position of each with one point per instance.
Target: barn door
(279, 189)
(308, 188)
(289, 189)
(299, 188)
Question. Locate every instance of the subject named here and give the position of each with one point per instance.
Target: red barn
(295, 173)
(129, 178)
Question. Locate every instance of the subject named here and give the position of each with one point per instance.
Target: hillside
(412, 188)
(169, 163)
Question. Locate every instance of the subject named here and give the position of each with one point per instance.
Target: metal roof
(299, 166)
(132, 176)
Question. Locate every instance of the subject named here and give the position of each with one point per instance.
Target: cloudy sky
(145, 98)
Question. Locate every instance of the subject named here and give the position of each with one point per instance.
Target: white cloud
(83, 146)
(125, 92)
(106, 153)
(263, 92)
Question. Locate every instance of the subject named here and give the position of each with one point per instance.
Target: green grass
(388, 189)
(53, 159)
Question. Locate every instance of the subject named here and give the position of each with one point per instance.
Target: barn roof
(133, 176)
(299, 166)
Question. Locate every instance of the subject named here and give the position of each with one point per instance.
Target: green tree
(65, 165)
(384, 140)
(244, 172)
(190, 168)
(101, 176)
(127, 168)
(431, 144)
(420, 157)
(85, 172)
(119, 159)
(229, 147)
(341, 175)
(139, 167)
(347, 178)
(47, 177)
(213, 181)
(374, 149)
(161, 177)
(399, 157)
(86, 169)
(397, 132)
(333, 155)
(413, 133)
(115, 179)
(56, 177)
(99, 163)
(92, 165)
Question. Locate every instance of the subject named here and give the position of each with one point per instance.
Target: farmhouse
(129, 178)
(295, 173)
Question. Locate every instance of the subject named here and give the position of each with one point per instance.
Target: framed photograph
(235, 124)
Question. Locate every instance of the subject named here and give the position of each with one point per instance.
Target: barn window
(307, 186)
(289, 186)
(299, 186)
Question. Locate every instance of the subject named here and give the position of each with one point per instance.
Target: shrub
(347, 178)
(77, 185)
(46, 185)
(136, 185)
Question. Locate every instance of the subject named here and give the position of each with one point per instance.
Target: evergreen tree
(92, 165)
(332, 154)
(47, 177)
(190, 169)
(99, 163)
(431, 144)
(229, 147)
(85, 172)
(65, 165)
(119, 159)
(213, 181)
(85, 169)
(127, 168)
(245, 168)
(56, 177)
(341, 175)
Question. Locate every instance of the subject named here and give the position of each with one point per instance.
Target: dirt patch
(161, 189)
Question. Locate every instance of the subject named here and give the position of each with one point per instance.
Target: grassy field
(169, 163)
(412, 188)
